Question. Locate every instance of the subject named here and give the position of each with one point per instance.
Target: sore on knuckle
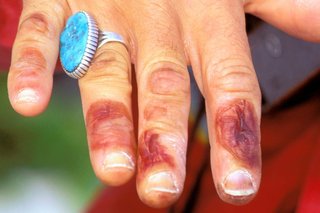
(108, 123)
(30, 64)
(238, 130)
(169, 79)
(231, 75)
(152, 153)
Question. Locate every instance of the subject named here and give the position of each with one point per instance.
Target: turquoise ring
(79, 42)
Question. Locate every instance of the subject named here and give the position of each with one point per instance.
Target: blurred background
(44, 161)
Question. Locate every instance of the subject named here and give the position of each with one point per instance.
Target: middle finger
(163, 95)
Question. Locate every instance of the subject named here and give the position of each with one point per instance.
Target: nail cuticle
(118, 160)
(239, 183)
(161, 182)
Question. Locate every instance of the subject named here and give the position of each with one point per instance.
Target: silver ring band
(105, 37)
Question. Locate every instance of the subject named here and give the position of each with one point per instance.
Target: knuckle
(109, 71)
(157, 146)
(108, 122)
(238, 130)
(232, 75)
(29, 70)
(31, 64)
(109, 65)
(43, 18)
(163, 114)
(152, 152)
(169, 79)
(154, 111)
(37, 23)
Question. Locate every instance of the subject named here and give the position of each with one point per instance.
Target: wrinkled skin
(162, 37)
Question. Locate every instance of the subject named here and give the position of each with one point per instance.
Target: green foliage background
(54, 141)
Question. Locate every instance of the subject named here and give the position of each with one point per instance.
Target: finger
(106, 100)
(298, 18)
(163, 91)
(34, 55)
(232, 98)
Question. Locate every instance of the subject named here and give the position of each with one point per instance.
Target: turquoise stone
(73, 41)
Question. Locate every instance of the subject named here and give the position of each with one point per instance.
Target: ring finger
(106, 100)
(163, 91)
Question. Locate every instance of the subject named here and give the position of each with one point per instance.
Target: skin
(163, 37)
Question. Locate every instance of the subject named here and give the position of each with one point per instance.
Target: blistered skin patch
(238, 131)
(108, 124)
(152, 153)
(28, 69)
(31, 62)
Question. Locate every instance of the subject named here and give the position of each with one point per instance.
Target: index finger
(34, 55)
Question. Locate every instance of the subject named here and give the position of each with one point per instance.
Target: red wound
(238, 131)
(152, 153)
(28, 69)
(31, 59)
(108, 124)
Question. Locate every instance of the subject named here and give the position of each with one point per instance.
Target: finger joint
(37, 23)
(110, 64)
(169, 79)
(232, 75)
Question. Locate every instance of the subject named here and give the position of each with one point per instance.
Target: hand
(163, 37)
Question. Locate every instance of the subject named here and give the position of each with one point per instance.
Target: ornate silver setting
(96, 39)
(90, 50)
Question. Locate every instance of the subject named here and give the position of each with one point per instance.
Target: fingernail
(27, 96)
(162, 182)
(118, 160)
(239, 183)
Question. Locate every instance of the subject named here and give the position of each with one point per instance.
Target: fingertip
(34, 56)
(28, 101)
(114, 168)
(236, 153)
(111, 140)
(159, 189)
(115, 176)
(161, 169)
(238, 187)
(29, 91)
(29, 80)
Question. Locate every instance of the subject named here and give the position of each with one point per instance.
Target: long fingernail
(118, 160)
(239, 183)
(162, 182)
(27, 95)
